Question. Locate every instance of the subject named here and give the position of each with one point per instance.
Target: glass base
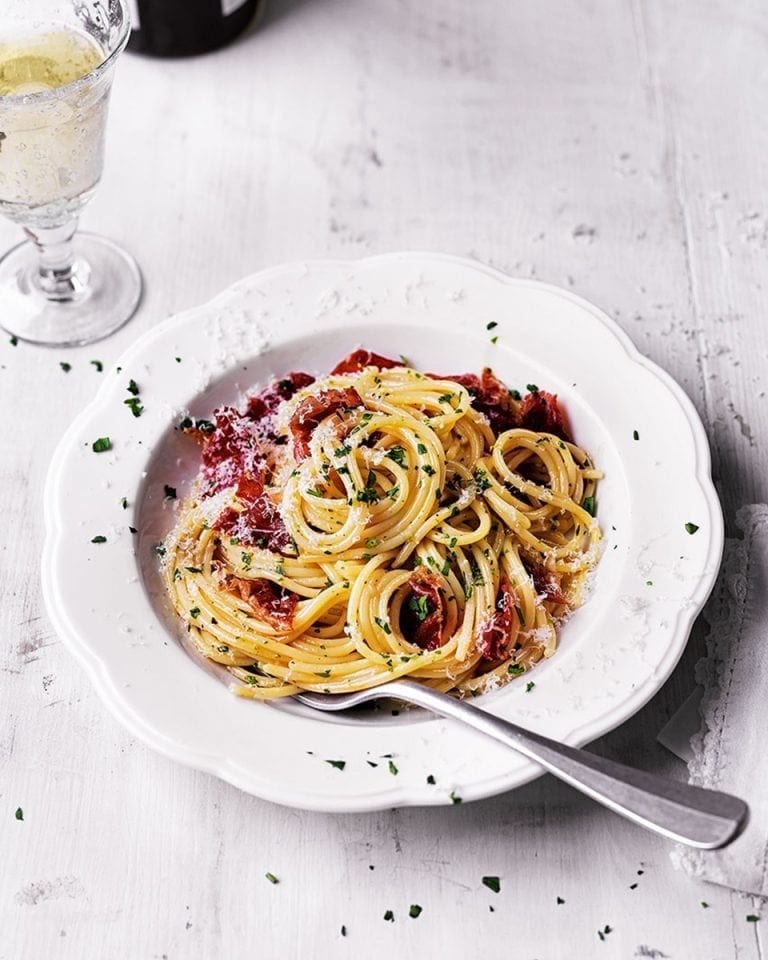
(104, 295)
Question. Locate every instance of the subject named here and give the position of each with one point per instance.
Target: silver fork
(701, 818)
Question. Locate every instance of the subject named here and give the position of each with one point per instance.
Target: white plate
(107, 602)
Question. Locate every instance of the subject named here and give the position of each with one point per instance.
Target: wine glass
(57, 60)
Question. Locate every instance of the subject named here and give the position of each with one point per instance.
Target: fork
(702, 818)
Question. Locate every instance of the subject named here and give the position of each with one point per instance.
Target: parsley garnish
(492, 325)
(124, 502)
(66, 367)
(635, 435)
(314, 492)
(493, 883)
(445, 398)
(14, 341)
(382, 624)
(325, 674)
(271, 877)
(170, 492)
(193, 569)
(529, 686)
(342, 451)
(343, 930)
(691, 528)
(397, 454)
(531, 388)
(135, 406)
(481, 479)
(99, 539)
(368, 495)
(419, 606)
(515, 669)
(414, 911)
(604, 932)
(454, 798)
(194, 613)
(19, 813)
(429, 470)
(515, 394)
(752, 918)
(393, 769)
(133, 388)
(589, 505)
(98, 364)
(388, 915)
(337, 764)
(494, 340)
(102, 444)
(421, 448)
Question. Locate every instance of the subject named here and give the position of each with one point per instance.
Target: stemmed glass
(57, 61)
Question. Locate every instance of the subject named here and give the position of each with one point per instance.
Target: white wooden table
(617, 147)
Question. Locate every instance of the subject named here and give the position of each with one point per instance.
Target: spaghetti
(380, 522)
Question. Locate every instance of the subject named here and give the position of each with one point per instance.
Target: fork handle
(707, 819)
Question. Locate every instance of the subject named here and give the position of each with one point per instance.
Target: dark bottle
(182, 28)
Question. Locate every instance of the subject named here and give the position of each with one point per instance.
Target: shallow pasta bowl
(106, 599)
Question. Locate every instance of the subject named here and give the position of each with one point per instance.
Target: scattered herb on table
(97, 364)
(454, 798)
(494, 340)
(752, 918)
(133, 388)
(388, 915)
(66, 367)
(491, 325)
(604, 932)
(19, 813)
(102, 444)
(271, 877)
(414, 911)
(531, 388)
(691, 527)
(393, 769)
(98, 539)
(529, 686)
(337, 764)
(124, 502)
(431, 780)
(704, 904)
(14, 341)
(134, 405)
(493, 883)
(635, 435)
(343, 930)
(560, 900)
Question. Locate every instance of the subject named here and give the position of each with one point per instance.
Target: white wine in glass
(57, 60)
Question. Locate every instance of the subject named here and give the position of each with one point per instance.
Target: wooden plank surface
(616, 148)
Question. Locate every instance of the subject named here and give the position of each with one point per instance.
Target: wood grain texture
(616, 148)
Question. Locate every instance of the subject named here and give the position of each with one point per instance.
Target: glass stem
(59, 275)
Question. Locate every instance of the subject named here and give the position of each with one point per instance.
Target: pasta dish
(381, 522)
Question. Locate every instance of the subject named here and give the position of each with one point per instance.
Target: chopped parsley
(388, 915)
(454, 798)
(515, 670)
(134, 404)
(382, 624)
(170, 492)
(428, 469)
(19, 813)
(397, 454)
(589, 505)
(325, 674)
(419, 606)
(337, 764)
(102, 444)
(491, 326)
(635, 435)
(493, 883)
(124, 502)
(97, 364)
(560, 900)
(421, 448)
(531, 388)
(194, 613)
(529, 686)
(481, 479)
(99, 539)
(133, 388)
(604, 932)
(14, 341)
(431, 780)
(271, 877)
(393, 769)
(515, 394)
(372, 542)
(342, 451)
(66, 367)
(691, 528)
(752, 918)
(368, 495)
(414, 911)
(245, 559)
(494, 340)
